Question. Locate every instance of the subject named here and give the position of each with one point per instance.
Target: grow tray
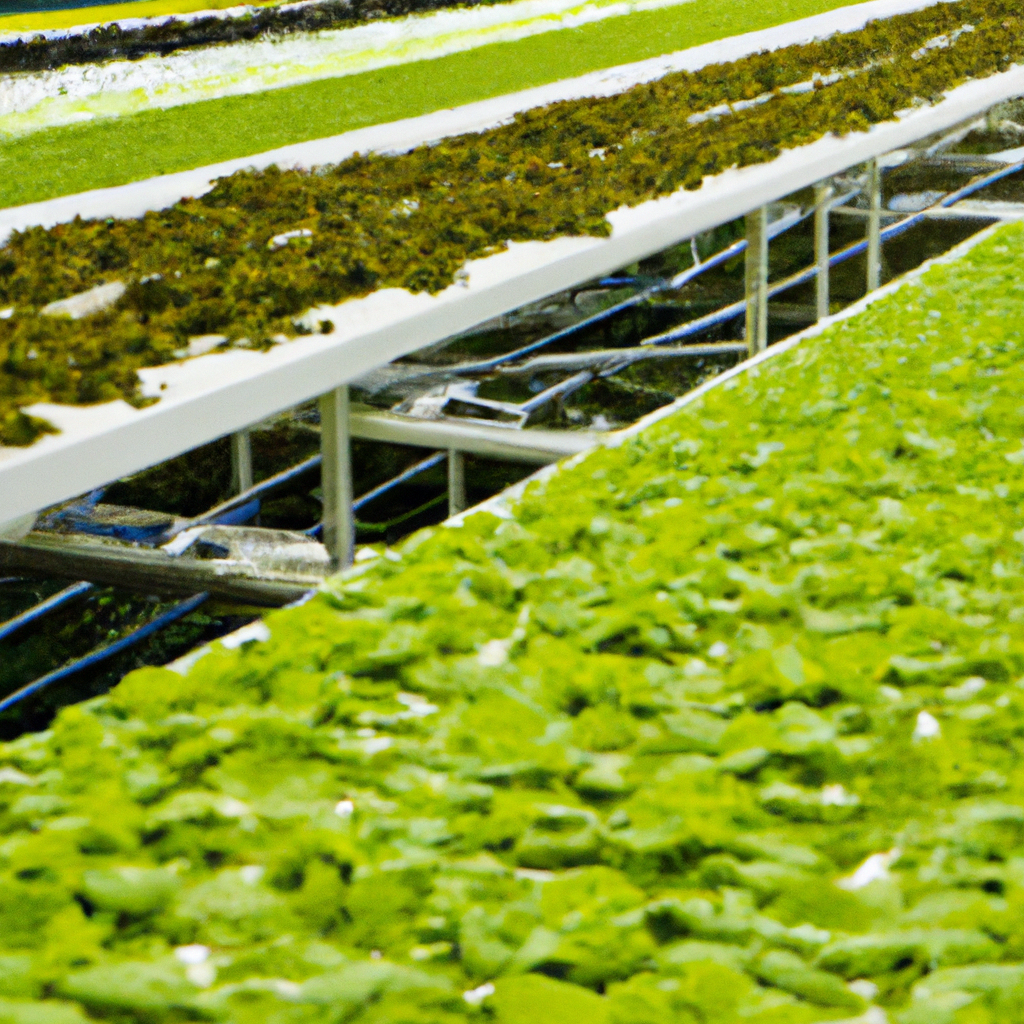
(205, 398)
(432, 399)
(575, 361)
(717, 724)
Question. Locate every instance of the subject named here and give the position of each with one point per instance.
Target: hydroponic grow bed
(579, 359)
(60, 160)
(206, 398)
(717, 725)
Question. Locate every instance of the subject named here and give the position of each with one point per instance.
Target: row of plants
(722, 724)
(252, 255)
(113, 41)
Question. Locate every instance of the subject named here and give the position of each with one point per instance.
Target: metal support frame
(241, 461)
(505, 444)
(823, 194)
(737, 309)
(336, 477)
(456, 482)
(874, 237)
(757, 280)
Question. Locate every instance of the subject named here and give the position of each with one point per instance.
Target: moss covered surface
(719, 722)
(412, 221)
(107, 42)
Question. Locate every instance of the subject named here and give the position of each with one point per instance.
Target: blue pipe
(66, 596)
(246, 505)
(728, 313)
(179, 611)
(702, 323)
(403, 477)
(235, 516)
(560, 390)
(118, 531)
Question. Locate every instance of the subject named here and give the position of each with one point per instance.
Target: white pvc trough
(215, 395)
(29, 101)
(135, 199)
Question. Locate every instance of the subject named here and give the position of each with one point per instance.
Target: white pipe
(505, 444)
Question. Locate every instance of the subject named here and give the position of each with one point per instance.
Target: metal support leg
(757, 281)
(874, 226)
(241, 462)
(456, 482)
(336, 477)
(823, 193)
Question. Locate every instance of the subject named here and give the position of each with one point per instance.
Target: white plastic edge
(228, 396)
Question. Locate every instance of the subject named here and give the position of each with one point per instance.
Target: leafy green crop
(412, 221)
(724, 724)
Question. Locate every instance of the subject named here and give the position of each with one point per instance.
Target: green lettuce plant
(764, 765)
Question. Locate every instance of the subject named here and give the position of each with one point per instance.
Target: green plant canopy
(723, 724)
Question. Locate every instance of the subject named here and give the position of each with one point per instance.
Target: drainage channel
(155, 565)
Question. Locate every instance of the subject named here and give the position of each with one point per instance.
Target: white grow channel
(206, 398)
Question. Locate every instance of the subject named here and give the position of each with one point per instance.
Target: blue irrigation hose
(118, 531)
(560, 390)
(237, 515)
(245, 506)
(728, 313)
(420, 467)
(96, 657)
(66, 596)
(403, 477)
(736, 249)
